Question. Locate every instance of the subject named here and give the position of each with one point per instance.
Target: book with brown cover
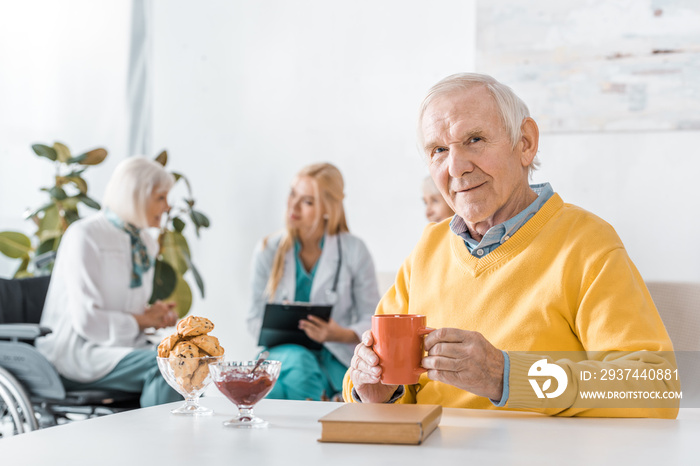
(380, 423)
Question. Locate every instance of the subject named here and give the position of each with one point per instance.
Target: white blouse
(90, 305)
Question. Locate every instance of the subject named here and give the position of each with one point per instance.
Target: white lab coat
(357, 291)
(89, 305)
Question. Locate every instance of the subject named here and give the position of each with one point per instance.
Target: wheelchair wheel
(16, 412)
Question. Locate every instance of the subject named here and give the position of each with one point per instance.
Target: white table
(153, 436)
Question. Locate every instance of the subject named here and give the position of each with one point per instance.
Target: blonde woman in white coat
(301, 264)
(97, 302)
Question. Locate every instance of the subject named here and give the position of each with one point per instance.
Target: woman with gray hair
(97, 302)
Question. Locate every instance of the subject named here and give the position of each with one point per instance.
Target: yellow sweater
(562, 282)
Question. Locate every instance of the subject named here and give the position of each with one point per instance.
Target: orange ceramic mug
(398, 342)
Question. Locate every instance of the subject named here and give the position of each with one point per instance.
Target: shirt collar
(297, 258)
(498, 234)
(141, 261)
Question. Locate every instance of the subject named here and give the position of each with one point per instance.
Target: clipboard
(280, 324)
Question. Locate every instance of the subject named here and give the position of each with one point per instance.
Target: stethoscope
(332, 294)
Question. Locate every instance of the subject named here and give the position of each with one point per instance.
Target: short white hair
(512, 109)
(131, 185)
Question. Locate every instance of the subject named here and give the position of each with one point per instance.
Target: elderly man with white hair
(514, 277)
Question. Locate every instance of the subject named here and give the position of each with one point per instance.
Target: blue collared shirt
(499, 234)
(494, 237)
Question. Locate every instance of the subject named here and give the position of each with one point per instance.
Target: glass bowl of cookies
(184, 359)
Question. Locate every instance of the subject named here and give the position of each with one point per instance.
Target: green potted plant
(174, 258)
(68, 192)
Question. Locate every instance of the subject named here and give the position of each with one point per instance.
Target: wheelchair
(32, 395)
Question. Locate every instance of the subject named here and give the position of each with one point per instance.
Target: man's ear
(528, 141)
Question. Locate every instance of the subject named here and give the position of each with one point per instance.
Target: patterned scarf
(141, 262)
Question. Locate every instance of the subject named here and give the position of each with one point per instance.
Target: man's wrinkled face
(470, 156)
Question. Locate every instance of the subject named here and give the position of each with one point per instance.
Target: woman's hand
(321, 331)
(158, 315)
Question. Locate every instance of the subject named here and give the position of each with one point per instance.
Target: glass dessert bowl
(245, 387)
(189, 377)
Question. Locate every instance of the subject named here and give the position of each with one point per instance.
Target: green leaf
(50, 225)
(79, 183)
(89, 201)
(94, 157)
(164, 281)
(15, 245)
(58, 193)
(197, 277)
(162, 158)
(70, 202)
(178, 224)
(45, 151)
(46, 246)
(51, 219)
(77, 158)
(182, 295)
(182, 243)
(62, 152)
(173, 250)
(33, 213)
(45, 235)
(22, 271)
(199, 219)
(71, 215)
(76, 172)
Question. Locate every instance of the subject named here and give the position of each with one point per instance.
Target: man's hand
(466, 360)
(321, 331)
(365, 373)
(158, 315)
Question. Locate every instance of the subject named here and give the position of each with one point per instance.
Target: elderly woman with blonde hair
(97, 302)
(315, 259)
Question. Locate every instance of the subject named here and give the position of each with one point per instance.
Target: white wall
(245, 93)
(644, 184)
(63, 67)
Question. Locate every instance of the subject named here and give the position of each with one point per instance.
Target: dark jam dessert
(244, 390)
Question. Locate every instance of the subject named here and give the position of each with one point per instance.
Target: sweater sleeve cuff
(506, 386)
(521, 394)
